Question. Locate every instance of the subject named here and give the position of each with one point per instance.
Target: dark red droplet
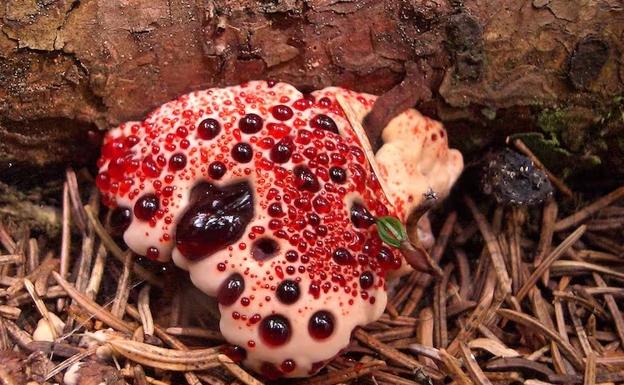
(145, 208)
(288, 366)
(321, 204)
(324, 122)
(270, 371)
(120, 219)
(338, 175)
(250, 124)
(150, 167)
(305, 179)
(282, 112)
(342, 256)
(292, 256)
(231, 289)
(217, 217)
(117, 167)
(282, 150)
(275, 210)
(366, 280)
(264, 248)
(242, 152)
(360, 216)
(152, 253)
(216, 169)
(177, 162)
(288, 292)
(234, 352)
(275, 330)
(321, 325)
(208, 129)
(385, 258)
(102, 181)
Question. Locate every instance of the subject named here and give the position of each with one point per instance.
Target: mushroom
(266, 196)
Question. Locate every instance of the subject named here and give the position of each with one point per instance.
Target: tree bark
(551, 71)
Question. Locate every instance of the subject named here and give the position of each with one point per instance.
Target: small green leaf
(391, 231)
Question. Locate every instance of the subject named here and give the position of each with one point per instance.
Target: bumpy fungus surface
(266, 197)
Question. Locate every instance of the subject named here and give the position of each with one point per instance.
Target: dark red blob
(250, 123)
(324, 122)
(152, 253)
(313, 219)
(242, 152)
(120, 219)
(305, 179)
(321, 325)
(367, 280)
(275, 210)
(264, 248)
(338, 175)
(288, 292)
(216, 218)
(150, 167)
(116, 168)
(282, 150)
(216, 170)
(385, 258)
(145, 208)
(342, 256)
(208, 129)
(288, 366)
(102, 181)
(270, 371)
(361, 217)
(177, 162)
(282, 112)
(234, 352)
(275, 330)
(231, 289)
(292, 256)
(321, 205)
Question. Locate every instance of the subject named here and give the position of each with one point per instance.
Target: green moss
(552, 122)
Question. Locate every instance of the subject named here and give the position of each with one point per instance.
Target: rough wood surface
(492, 68)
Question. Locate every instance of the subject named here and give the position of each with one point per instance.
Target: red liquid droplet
(216, 218)
(366, 280)
(305, 179)
(145, 208)
(177, 162)
(231, 289)
(152, 253)
(242, 152)
(321, 325)
(282, 112)
(361, 217)
(150, 167)
(208, 129)
(275, 330)
(288, 292)
(282, 150)
(338, 175)
(324, 122)
(250, 124)
(216, 170)
(288, 366)
(342, 256)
